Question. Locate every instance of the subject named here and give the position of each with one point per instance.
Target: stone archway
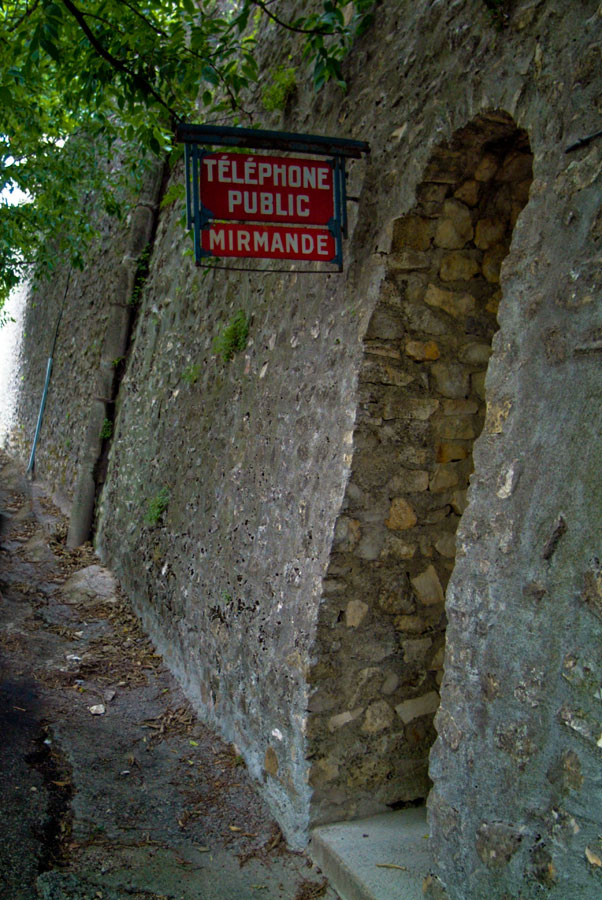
(380, 641)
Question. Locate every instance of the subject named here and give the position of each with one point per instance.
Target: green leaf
(209, 74)
(173, 193)
(16, 73)
(51, 49)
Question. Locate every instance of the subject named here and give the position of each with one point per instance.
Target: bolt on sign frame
(301, 214)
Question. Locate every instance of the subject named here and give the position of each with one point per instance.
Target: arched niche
(379, 650)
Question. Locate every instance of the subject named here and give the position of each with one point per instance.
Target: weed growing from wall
(233, 338)
(156, 506)
(280, 91)
(174, 193)
(191, 373)
(106, 432)
(141, 275)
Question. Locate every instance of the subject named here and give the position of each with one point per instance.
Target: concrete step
(352, 854)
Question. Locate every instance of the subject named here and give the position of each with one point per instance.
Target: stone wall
(90, 312)
(229, 578)
(300, 577)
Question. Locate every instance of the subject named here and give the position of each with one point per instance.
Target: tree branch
(116, 63)
(161, 33)
(234, 101)
(263, 6)
(144, 19)
(25, 15)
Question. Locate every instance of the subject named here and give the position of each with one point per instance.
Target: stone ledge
(354, 855)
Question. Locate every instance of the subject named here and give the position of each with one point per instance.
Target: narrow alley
(111, 787)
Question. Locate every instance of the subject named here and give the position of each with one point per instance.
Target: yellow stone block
(459, 427)
(468, 192)
(446, 545)
(486, 168)
(342, 719)
(450, 452)
(489, 232)
(460, 407)
(492, 262)
(478, 383)
(378, 717)
(454, 228)
(452, 302)
(427, 587)
(493, 304)
(422, 351)
(411, 624)
(413, 232)
(445, 477)
(323, 771)
(355, 613)
(398, 548)
(418, 706)
(459, 501)
(458, 266)
(401, 515)
(437, 660)
(411, 408)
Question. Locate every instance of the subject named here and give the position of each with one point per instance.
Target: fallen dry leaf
(309, 890)
(593, 858)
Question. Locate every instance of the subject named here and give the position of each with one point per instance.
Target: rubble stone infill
(111, 788)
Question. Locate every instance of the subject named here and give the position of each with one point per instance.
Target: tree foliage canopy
(81, 80)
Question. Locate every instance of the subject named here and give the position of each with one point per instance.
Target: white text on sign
(270, 205)
(268, 242)
(265, 188)
(236, 170)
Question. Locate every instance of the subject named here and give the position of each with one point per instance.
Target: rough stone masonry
(377, 564)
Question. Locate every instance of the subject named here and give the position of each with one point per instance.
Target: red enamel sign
(268, 242)
(232, 196)
(240, 187)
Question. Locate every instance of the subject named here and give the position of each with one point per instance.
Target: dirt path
(112, 790)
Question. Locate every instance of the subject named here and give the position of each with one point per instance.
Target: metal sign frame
(197, 138)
